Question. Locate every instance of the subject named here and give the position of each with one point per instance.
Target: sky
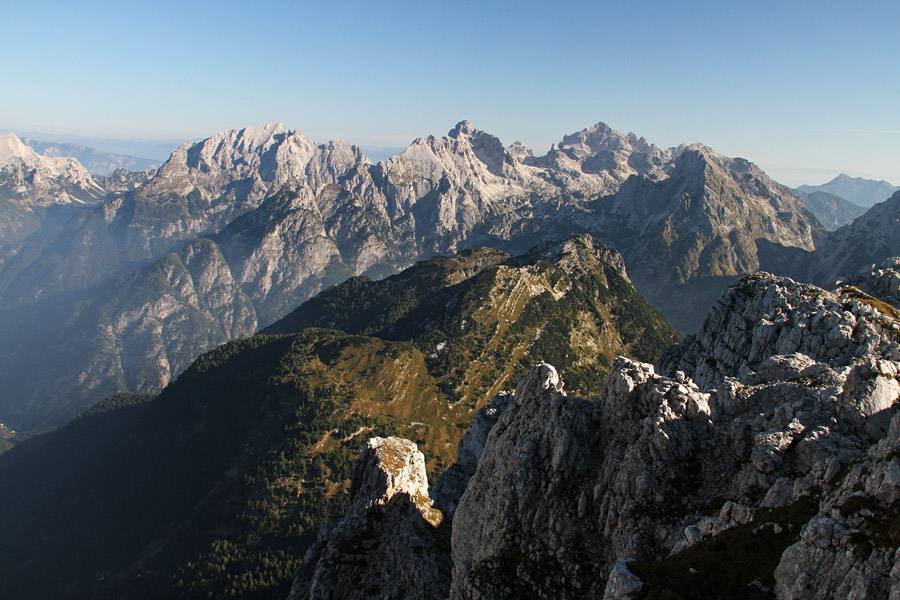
(804, 89)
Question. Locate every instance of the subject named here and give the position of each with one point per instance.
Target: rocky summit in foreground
(391, 528)
(760, 459)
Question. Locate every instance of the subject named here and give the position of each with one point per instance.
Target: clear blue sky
(788, 84)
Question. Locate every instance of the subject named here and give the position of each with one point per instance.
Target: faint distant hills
(96, 161)
(154, 151)
(858, 190)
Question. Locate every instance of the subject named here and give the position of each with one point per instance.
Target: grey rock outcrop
(566, 488)
(764, 427)
(766, 316)
(849, 549)
(388, 546)
(622, 583)
(881, 280)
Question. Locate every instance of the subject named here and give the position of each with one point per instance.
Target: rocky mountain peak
(541, 378)
(12, 147)
(639, 143)
(243, 166)
(697, 146)
(696, 158)
(520, 151)
(463, 128)
(488, 148)
(388, 467)
(601, 138)
(846, 180)
(734, 193)
(239, 146)
(604, 154)
(274, 127)
(593, 139)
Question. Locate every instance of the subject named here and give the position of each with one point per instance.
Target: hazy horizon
(788, 86)
(791, 176)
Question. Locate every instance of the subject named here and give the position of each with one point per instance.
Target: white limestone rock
(388, 546)
(622, 583)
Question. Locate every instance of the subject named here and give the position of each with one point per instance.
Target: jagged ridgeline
(121, 289)
(218, 485)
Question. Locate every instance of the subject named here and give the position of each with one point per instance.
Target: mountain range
(860, 191)
(406, 298)
(233, 232)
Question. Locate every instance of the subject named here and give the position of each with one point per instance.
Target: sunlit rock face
(389, 544)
